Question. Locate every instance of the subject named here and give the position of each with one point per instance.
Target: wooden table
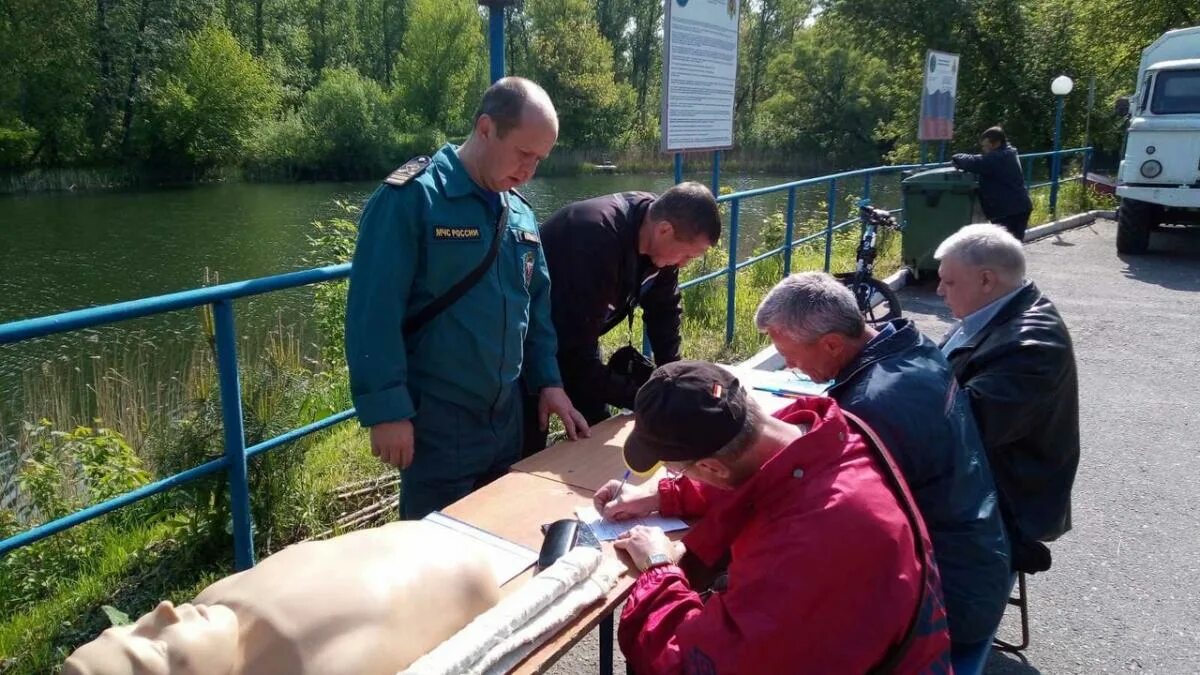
(587, 463)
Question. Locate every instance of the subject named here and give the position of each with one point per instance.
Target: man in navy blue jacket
(899, 383)
(1002, 192)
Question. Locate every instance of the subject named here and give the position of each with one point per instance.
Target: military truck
(1159, 179)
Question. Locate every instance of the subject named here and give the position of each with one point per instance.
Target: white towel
(525, 619)
(506, 655)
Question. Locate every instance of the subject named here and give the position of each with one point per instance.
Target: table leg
(606, 645)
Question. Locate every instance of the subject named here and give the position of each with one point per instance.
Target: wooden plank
(587, 463)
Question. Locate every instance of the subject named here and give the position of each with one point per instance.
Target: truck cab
(1159, 178)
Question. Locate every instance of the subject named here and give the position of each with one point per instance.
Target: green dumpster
(937, 203)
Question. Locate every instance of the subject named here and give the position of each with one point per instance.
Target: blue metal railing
(220, 298)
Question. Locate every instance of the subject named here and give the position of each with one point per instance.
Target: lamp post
(1060, 87)
(496, 34)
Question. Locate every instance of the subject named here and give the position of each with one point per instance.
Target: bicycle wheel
(876, 300)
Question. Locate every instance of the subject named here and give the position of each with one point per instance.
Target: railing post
(678, 168)
(867, 187)
(716, 173)
(235, 438)
(790, 232)
(830, 211)
(1056, 159)
(1028, 171)
(496, 39)
(1087, 160)
(731, 281)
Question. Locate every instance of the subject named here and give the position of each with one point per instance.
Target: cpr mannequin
(362, 603)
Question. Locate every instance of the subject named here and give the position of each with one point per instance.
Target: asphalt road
(1124, 592)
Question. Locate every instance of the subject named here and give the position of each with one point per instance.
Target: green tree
(828, 100)
(613, 19)
(768, 29)
(349, 123)
(573, 62)
(44, 80)
(207, 103)
(442, 62)
(645, 63)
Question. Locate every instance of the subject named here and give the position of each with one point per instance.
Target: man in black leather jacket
(607, 256)
(1002, 192)
(1012, 353)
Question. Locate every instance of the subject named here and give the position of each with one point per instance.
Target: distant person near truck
(1002, 192)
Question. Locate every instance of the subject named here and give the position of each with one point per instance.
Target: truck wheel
(1135, 220)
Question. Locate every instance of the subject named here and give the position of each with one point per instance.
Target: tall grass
(51, 591)
(1073, 197)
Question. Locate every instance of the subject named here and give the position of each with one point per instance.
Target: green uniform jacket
(415, 241)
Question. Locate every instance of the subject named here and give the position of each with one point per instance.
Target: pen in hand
(623, 481)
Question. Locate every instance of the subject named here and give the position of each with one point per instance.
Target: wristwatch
(657, 560)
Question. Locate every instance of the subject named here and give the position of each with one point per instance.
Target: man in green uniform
(449, 306)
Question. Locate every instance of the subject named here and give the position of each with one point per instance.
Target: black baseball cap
(687, 410)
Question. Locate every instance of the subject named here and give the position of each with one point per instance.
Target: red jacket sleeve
(666, 629)
(685, 498)
(661, 601)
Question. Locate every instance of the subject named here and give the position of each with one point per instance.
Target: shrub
(62, 472)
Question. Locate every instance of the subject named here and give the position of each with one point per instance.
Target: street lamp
(496, 34)
(1060, 87)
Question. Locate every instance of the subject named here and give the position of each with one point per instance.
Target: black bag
(628, 370)
(630, 364)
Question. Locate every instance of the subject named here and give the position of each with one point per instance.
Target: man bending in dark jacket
(607, 256)
(1002, 192)
(1013, 355)
(897, 381)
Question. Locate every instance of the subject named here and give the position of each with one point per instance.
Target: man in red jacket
(830, 570)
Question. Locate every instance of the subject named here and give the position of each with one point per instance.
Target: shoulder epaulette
(411, 169)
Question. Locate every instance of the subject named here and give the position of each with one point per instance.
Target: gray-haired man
(898, 382)
(1012, 353)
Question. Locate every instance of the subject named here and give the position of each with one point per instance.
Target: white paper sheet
(607, 530)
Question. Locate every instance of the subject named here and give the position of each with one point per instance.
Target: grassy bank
(1073, 197)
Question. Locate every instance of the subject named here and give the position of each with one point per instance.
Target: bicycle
(876, 300)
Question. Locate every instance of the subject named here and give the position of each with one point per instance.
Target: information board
(699, 74)
(937, 97)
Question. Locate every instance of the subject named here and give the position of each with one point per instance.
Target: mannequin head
(191, 639)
